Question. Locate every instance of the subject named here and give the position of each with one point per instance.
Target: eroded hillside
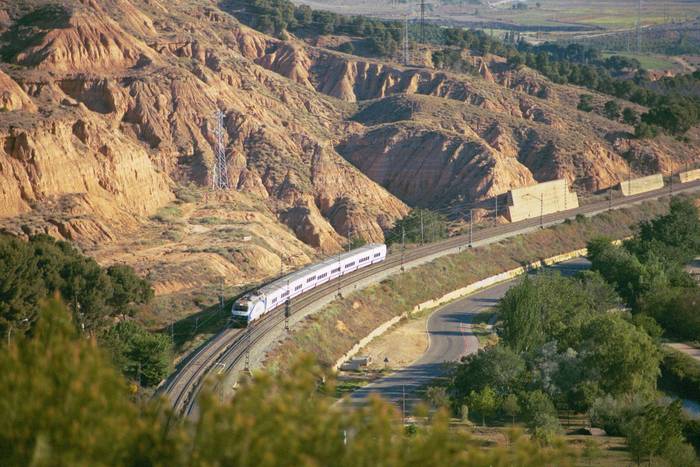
(107, 135)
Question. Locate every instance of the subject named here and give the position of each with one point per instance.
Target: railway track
(225, 350)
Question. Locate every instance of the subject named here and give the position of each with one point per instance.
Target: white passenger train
(254, 305)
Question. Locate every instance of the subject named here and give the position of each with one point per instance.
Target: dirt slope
(107, 138)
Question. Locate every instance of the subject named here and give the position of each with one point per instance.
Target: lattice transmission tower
(220, 177)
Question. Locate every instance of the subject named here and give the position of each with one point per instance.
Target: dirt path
(402, 345)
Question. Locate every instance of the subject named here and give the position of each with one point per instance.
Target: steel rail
(228, 347)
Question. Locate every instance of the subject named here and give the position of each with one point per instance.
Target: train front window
(238, 307)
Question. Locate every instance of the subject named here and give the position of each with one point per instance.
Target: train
(256, 304)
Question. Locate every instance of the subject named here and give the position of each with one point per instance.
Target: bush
(585, 103)
(680, 373)
(346, 47)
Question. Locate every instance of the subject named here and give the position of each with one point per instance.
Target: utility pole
(403, 245)
(247, 350)
(406, 58)
(422, 21)
(541, 210)
(422, 237)
(403, 404)
(287, 311)
(495, 216)
(221, 296)
(610, 195)
(471, 226)
(340, 275)
(220, 177)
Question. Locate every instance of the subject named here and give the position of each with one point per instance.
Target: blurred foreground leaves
(64, 404)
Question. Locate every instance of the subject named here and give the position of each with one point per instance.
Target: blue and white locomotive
(256, 304)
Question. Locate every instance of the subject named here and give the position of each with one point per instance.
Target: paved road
(451, 338)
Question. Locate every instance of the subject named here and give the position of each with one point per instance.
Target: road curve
(451, 338)
(226, 350)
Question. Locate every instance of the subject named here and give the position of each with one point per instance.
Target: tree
(645, 131)
(41, 267)
(497, 367)
(142, 356)
(618, 356)
(522, 317)
(510, 406)
(484, 402)
(72, 407)
(654, 430)
(585, 102)
(437, 395)
(612, 110)
(630, 116)
(63, 404)
(673, 238)
(128, 290)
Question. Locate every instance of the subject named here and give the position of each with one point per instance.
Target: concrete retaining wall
(540, 199)
(642, 185)
(455, 294)
(689, 176)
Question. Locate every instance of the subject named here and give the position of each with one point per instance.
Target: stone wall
(642, 185)
(543, 198)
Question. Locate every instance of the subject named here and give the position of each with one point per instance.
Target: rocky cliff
(108, 133)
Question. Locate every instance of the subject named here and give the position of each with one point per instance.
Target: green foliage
(618, 356)
(437, 396)
(680, 373)
(550, 307)
(419, 225)
(630, 116)
(346, 47)
(645, 131)
(140, 355)
(612, 110)
(654, 431)
(677, 309)
(484, 403)
(648, 272)
(63, 404)
(510, 406)
(585, 103)
(34, 270)
(673, 238)
(611, 413)
(497, 367)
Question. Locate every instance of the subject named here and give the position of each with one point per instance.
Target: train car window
(298, 287)
(323, 275)
(377, 255)
(350, 264)
(335, 270)
(274, 300)
(285, 293)
(311, 279)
